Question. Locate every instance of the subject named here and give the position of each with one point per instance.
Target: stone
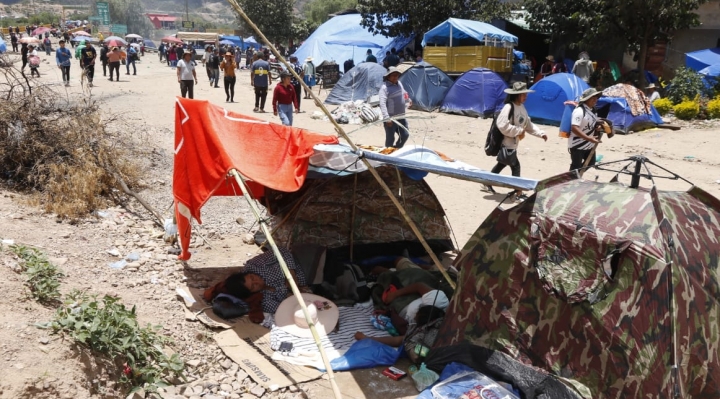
(241, 375)
(114, 252)
(258, 391)
(139, 394)
(226, 363)
(44, 340)
(293, 388)
(226, 387)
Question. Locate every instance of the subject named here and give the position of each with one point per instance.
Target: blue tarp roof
(250, 42)
(545, 105)
(236, 40)
(3, 46)
(478, 92)
(700, 59)
(342, 38)
(712, 70)
(465, 29)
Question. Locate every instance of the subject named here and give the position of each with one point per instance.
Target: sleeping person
(263, 274)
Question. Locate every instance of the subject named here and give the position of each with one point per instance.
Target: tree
(638, 24)
(316, 11)
(404, 17)
(273, 17)
(130, 13)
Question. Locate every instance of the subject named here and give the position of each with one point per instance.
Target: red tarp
(210, 141)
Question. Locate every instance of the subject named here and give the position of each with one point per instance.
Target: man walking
(393, 59)
(63, 57)
(132, 55)
(14, 42)
(583, 131)
(392, 104)
(186, 75)
(103, 58)
(214, 66)
(260, 80)
(370, 57)
(249, 56)
(87, 61)
(295, 82)
(228, 66)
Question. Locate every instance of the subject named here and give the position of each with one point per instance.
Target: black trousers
(514, 169)
(90, 72)
(65, 73)
(297, 93)
(105, 68)
(187, 88)
(578, 157)
(229, 82)
(115, 66)
(260, 97)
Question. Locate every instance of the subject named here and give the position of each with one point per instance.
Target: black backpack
(493, 142)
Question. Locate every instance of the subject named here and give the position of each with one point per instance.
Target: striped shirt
(584, 118)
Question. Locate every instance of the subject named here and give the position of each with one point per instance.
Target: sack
(367, 114)
(352, 284)
(423, 378)
(493, 142)
(507, 156)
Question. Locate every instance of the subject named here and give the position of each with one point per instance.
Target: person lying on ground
(263, 274)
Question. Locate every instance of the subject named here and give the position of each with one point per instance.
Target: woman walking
(284, 98)
(513, 122)
(113, 58)
(172, 57)
(309, 75)
(228, 67)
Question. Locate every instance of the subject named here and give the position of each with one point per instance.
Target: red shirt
(284, 95)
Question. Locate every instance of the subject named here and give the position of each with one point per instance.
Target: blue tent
(700, 59)
(236, 40)
(360, 83)
(712, 70)
(250, 42)
(3, 46)
(477, 92)
(342, 38)
(461, 29)
(426, 85)
(545, 104)
(623, 120)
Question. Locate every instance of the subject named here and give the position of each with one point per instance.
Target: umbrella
(117, 39)
(133, 36)
(170, 39)
(81, 33)
(40, 31)
(113, 43)
(29, 40)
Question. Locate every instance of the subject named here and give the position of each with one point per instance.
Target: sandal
(385, 293)
(489, 189)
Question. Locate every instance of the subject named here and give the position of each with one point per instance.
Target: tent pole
(263, 225)
(234, 4)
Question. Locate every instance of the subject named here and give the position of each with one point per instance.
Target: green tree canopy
(316, 11)
(419, 16)
(273, 17)
(636, 23)
(130, 13)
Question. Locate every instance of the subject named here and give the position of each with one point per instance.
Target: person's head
(242, 285)
(285, 77)
(428, 313)
(88, 44)
(62, 43)
(228, 55)
(187, 56)
(517, 94)
(293, 58)
(216, 51)
(369, 52)
(393, 51)
(115, 48)
(650, 87)
(590, 97)
(392, 75)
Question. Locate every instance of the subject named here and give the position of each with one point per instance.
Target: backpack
(352, 284)
(493, 142)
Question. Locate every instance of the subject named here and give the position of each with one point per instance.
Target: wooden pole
(352, 219)
(263, 225)
(352, 145)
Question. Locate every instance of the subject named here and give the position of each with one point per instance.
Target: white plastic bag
(470, 384)
(424, 378)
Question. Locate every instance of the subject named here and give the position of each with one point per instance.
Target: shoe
(134, 74)
(262, 111)
(128, 73)
(217, 87)
(111, 79)
(489, 189)
(255, 109)
(90, 84)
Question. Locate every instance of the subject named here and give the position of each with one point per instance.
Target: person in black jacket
(103, 58)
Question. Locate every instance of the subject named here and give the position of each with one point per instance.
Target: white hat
(588, 94)
(518, 88)
(323, 312)
(651, 86)
(308, 59)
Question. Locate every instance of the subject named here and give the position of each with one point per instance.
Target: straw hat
(391, 71)
(518, 88)
(651, 86)
(308, 59)
(229, 53)
(290, 318)
(550, 58)
(589, 93)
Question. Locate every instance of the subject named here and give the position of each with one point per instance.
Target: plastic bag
(366, 353)
(424, 378)
(470, 384)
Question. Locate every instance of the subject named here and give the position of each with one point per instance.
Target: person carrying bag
(513, 122)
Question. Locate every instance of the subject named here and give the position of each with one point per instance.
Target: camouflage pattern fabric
(603, 286)
(324, 214)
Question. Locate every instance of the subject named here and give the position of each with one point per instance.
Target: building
(162, 21)
(707, 35)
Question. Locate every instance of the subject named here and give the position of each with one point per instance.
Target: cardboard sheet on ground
(197, 309)
(248, 345)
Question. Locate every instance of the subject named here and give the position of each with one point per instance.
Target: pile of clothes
(355, 113)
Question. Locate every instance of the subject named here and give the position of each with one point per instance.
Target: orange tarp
(210, 141)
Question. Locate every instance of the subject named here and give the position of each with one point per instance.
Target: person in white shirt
(585, 127)
(514, 129)
(652, 93)
(186, 75)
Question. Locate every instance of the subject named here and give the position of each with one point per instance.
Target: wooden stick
(352, 219)
(263, 225)
(158, 219)
(342, 133)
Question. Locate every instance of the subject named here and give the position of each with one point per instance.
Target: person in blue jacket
(63, 56)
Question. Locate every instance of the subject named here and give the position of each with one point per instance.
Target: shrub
(686, 84)
(43, 278)
(663, 105)
(713, 108)
(687, 110)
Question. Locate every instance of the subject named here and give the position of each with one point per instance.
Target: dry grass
(61, 151)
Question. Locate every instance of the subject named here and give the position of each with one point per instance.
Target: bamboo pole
(263, 225)
(341, 132)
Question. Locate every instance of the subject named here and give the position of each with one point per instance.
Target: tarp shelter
(546, 104)
(458, 32)
(236, 40)
(426, 85)
(606, 287)
(342, 38)
(477, 92)
(628, 108)
(3, 46)
(360, 83)
(700, 59)
(712, 70)
(250, 42)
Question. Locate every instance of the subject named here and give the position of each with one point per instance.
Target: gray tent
(426, 85)
(359, 83)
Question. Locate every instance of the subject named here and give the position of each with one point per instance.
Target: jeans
(215, 79)
(394, 128)
(129, 61)
(578, 157)
(229, 82)
(115, 66)
(260, 97)
(285, 112)
(173, 63)
(298, 93)
(65, 73)
(186, 87)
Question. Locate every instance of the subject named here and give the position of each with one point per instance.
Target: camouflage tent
(612, 290)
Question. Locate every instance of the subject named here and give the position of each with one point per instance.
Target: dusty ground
(36, 365)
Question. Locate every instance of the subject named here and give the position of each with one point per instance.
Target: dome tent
(477, 92)
(360, 83)
(545, 104)
(426, 85)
